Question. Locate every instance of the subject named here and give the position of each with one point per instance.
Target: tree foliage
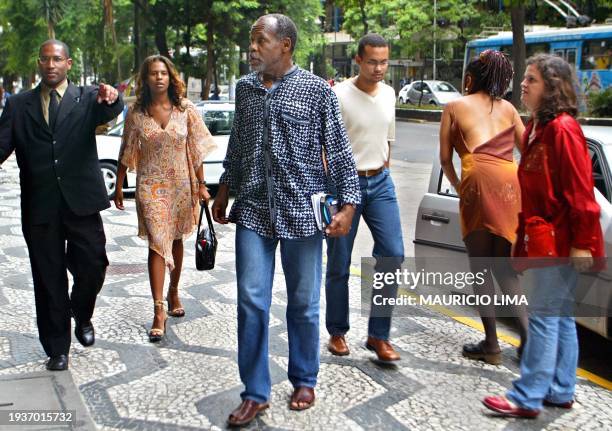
(409, 23)
(209, 39)
(110, 38)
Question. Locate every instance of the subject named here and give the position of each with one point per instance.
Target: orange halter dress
(489, 193)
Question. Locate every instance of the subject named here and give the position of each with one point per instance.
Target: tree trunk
(109, 22)
(50, 30)
(140, 30)
(137, 59)
(161, 42)
(210, 58)
(517, 13)
(363, 16)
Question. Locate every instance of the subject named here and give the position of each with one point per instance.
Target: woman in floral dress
(165, 142)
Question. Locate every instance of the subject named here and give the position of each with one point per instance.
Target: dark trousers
(66, 242)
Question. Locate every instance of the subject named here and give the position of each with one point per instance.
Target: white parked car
(219, 118)
(438, 231)
(402, 96)
(437, 93)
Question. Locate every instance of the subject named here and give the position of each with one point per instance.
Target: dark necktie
(53, 108)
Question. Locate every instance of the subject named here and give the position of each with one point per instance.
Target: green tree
(23, 29)
(52, 11)
(409, 23)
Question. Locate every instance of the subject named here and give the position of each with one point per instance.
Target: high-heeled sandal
(174, 312)
(156, 334)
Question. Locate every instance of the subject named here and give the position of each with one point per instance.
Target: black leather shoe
(84, 332)
(57, 363)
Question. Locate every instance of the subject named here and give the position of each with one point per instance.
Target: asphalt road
(415, 142)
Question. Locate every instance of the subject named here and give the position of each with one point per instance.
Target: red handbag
(540, 238)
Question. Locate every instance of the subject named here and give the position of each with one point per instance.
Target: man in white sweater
(368, 111)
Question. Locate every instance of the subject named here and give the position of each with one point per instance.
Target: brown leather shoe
(303, 395)
(337, 345)
(384, 350)
(245, 413)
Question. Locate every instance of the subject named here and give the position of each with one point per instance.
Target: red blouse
(568, 202)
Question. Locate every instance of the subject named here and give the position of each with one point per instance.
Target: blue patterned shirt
(274, 160)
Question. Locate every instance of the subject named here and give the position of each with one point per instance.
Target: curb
(56, 393)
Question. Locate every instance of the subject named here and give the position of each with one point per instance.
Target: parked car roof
(602, 134)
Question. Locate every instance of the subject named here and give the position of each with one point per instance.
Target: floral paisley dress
(165, 161)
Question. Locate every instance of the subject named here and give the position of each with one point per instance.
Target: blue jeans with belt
(302, 262)
(550, 357)
(380, 211)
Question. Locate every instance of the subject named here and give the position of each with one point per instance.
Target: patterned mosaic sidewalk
(190, 380)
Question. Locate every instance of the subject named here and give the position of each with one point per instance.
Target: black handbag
(206, 243)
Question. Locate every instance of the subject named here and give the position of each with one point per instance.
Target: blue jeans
(550, 357)
(380, 211)
(301, 260)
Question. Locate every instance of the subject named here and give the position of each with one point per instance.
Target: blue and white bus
(589, 49)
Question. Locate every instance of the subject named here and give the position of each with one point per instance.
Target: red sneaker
(502, 405)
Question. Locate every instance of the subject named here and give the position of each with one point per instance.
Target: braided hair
(491, 73)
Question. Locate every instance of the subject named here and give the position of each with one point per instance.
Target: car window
(444, 87)
(218, 122)
(598, 162)
(417, 86)
(426, 88)
(444, 186)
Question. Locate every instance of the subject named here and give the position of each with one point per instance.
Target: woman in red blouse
(559, 224)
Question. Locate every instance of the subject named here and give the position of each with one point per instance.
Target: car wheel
(433, 102)
(402, 101)
(109, 174)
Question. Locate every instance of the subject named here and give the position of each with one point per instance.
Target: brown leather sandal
(245, 413)
(302, 394)
(156, 334)
(172, 311)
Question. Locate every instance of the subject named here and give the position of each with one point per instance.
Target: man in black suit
(52, 130)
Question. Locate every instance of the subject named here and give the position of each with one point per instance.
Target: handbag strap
(203, 208)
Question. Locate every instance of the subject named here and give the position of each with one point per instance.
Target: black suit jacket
(63, 162)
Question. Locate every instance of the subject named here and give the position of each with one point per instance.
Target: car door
(438, 245)
(438, 226)
(415, 92)
(427, 94)
(594, 292)
(438, 238)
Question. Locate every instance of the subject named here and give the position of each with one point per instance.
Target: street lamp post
(434, 38)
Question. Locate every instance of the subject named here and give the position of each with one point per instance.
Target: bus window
(537, 48)
(597, 54)
(571, 56)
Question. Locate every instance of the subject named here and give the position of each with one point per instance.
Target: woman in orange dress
(484, 129)
(165, 141)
